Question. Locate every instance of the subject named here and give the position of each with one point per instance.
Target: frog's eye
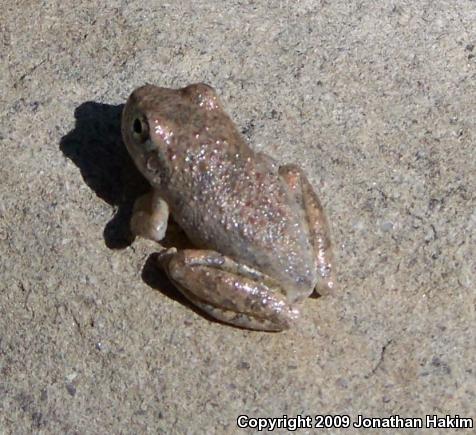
(140, 129)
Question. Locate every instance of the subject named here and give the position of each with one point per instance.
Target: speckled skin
(262, 237)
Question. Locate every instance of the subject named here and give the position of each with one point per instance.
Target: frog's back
(238, 205)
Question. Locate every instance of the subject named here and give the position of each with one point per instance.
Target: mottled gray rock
(376, 100)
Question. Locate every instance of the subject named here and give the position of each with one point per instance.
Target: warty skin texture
(261, 235)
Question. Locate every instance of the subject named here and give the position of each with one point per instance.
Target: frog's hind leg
(297, 181)
(228, 291)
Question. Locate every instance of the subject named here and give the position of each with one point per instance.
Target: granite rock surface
(376, 100)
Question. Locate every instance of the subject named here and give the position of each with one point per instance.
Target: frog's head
(157, 124)
(147, 131)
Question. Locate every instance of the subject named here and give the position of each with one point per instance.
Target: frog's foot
(228, 291)
(300, 186)
(149, 217)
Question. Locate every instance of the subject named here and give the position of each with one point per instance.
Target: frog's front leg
(229, 291)
(149, 216)
(297, 181)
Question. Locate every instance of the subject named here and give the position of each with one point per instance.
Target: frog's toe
(273, 323)
(149, 217)
(326, 283)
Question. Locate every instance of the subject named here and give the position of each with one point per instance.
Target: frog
(259, 234)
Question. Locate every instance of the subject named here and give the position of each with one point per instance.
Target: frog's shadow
(95, 146)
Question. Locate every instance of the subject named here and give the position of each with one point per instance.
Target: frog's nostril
(137, 126)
